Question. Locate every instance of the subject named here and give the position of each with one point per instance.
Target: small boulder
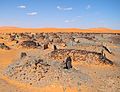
(23, 55)
(68, 63)
(45, 46)
(55, 48)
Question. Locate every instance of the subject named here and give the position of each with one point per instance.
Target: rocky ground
(39, 62)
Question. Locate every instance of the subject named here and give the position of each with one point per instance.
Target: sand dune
(92, 30)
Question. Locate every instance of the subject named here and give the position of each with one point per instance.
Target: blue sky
(60, 13)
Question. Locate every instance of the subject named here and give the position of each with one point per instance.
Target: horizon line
(58, 27)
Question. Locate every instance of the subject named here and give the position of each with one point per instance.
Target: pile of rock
(29, 44)
(81, 56)
(28, 70)
(3, 46)
(38, 72)
(115, 39)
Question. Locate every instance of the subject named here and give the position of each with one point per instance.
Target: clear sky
(60, 13)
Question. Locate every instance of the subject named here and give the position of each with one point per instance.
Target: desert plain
(59, 60)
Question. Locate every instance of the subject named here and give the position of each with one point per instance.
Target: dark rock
(38, 62)
(29, 44)
(55, 48)
(68, 63)
(23, 54)
(107, 49)
(45, 46)
(17, 41)
(104, 59)
(3, 46)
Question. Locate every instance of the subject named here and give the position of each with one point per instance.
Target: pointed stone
(68, 63)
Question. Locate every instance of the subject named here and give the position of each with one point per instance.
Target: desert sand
(34, 30)
(35, 60)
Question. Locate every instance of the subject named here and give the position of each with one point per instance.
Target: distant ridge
(7, 29)
(100, 28)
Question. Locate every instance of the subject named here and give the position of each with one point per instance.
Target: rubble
(3, 46)
(29, 44)
(81, 56)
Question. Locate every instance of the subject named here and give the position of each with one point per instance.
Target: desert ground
(59, 60)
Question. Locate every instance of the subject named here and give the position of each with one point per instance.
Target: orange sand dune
(92, 30)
